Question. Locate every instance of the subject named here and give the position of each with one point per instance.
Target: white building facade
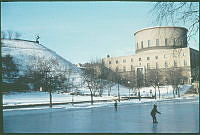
(157, 48)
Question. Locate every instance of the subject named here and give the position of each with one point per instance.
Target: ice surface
(177, 116)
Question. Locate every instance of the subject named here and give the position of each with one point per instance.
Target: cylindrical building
(166, 37)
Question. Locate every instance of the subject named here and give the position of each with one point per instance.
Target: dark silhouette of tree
(17, 35)
(195, 73)
(89, 79)
(178, 12)
(3, 34)
(9, 68)
(47, 74)
(10, 34)
(153, 78)
(175, 78)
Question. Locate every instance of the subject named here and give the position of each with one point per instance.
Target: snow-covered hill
(24, 51)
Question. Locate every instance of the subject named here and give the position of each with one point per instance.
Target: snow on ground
(22, 98)
(36, 97)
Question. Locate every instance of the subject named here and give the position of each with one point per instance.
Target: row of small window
(148, 58)
(140, 59)
(157, 43)
(148, 66)
(124, 61)
(166, 64)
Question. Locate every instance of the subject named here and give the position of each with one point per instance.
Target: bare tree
(89, 78)
(3, 34)
(139, 80)
(178, 12)
(10, 34)
(175, 78)
(133, 81)
(46, 74)
(153, 78)
(195, 73)
(110, 80)
(17, 35)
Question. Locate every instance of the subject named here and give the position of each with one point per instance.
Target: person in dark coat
(153, 113)
(115, 105)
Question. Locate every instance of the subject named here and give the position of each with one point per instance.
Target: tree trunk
(1, 112)
(173, 93)
(139, 95)
(118, 93)
(155, 93)
(91, 94)
(159, 92)
(109, 91)
(179, 92)
(50, 97)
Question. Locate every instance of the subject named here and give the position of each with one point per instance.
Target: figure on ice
(153, 113)
(115, 104)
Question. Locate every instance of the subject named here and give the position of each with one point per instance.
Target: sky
(80, 31)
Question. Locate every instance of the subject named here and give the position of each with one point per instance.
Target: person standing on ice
(153, 113)
(115, 105)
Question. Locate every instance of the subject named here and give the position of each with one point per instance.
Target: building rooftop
(159, 27)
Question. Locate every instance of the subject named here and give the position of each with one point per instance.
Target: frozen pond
(178, 116)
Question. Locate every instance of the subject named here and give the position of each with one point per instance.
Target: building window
(140, 59)
(174, 42)
(166, 65)
(124, 61)
(165, 41)
(116, 61)
(157, 42)
(148, 58)
(175, 63)
(156, 65)
(131, 67)
(141, 44)
(183, 54)
(140, 64)
(124, 69)
(109, 62)
(137, 46)
(149, 43)
(131, 59)
(148, 65)
(181, 42)
(185, 63)
(156, 57)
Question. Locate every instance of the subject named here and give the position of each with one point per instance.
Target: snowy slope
(23, 51)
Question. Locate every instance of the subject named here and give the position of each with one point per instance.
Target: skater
(115, 105)
(153, 113)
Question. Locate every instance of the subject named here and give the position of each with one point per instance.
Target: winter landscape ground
(178, 115)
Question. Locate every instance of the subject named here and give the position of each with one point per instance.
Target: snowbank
(35, 97)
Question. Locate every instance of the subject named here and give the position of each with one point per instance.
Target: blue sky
(80, 31)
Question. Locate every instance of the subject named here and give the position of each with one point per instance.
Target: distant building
(157, 48)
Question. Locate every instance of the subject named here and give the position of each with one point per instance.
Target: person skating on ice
(153, 113)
